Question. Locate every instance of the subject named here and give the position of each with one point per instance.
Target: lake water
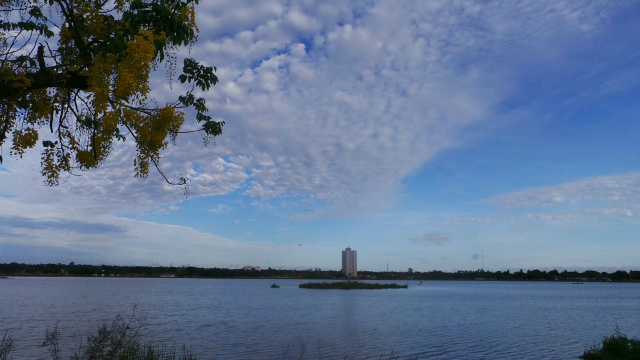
(246, 319)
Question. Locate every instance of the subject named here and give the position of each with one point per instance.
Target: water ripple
(245, 319)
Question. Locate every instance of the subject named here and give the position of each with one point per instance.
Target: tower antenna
(482, 260)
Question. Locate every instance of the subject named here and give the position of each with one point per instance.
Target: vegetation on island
(72, 269)
(350, 285)
(74, 80)
(614, 347)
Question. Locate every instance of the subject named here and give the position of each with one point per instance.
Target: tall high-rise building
(350, 262)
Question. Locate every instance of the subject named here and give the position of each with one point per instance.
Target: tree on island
(75, 75)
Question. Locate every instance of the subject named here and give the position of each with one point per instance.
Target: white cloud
(116, 240)
(436, 238)
(345, 118)
(220, 209)
(607, 201)
(456, 221)
(617, 190)
(333, 102)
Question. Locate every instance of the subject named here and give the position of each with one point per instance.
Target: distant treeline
(72, 269)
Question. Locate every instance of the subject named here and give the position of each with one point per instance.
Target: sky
(440, 135)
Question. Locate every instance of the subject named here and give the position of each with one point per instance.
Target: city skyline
(435, 136)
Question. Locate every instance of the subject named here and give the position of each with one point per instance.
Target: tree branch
(11, 88)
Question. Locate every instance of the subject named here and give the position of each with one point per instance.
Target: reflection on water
(246, 319)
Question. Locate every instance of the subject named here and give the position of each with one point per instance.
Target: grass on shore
(615, 347)
(117, 341)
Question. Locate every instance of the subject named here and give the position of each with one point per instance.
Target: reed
(6, 346)
(115, 341)
(119, 340)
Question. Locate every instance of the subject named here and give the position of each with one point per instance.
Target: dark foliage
(614, 347)
(72, 269)
(350, 285)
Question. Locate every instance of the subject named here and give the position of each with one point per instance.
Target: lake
(246, 319)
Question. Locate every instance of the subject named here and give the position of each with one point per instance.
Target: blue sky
(422, 134)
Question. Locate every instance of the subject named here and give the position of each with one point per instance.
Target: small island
(349, 285)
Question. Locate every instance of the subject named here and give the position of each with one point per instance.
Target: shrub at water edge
(614, 347)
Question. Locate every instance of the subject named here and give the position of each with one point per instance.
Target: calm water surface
(245, 319)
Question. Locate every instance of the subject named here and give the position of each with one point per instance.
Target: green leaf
(48, 144)
(202, 76)
(213, 128)
(36, 12)
(187, 100)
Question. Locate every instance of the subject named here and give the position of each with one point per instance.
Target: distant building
(251, 268)
(350, 262)
(410, 271)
